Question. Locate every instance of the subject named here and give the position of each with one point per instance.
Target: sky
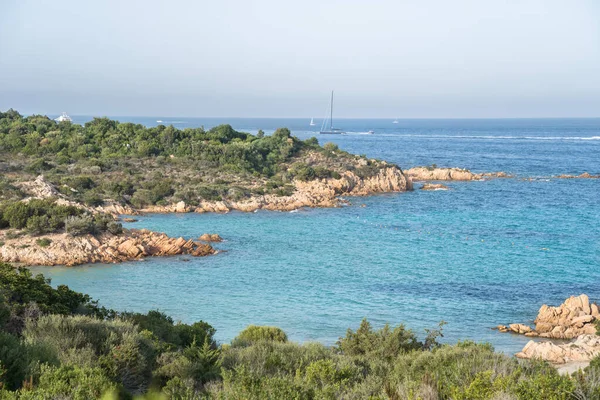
(277, 58)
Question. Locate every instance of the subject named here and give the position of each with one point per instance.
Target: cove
(478, 255)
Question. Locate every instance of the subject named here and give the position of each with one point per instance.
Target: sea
(478, 255)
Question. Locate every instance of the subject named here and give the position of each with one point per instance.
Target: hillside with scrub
(57, 343)
(153, 169)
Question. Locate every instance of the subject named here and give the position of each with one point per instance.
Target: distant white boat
(370, 132)
(395, 121)
(63, 117)
(159, 121)
(312, 122)
(331, 130)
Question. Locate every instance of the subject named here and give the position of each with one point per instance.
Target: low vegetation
(57, 343)
(38, 217)
(130, 164)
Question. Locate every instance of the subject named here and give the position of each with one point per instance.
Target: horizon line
(318, 118)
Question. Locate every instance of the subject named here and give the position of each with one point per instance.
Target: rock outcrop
(575, 317)
(434, 186)
(315, 193)
(40, 188)
(584, 348)
(449, 174)
(105, 248)
(211, 237)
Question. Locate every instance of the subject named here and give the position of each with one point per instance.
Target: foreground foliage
(56, 343)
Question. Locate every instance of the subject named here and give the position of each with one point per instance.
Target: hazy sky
(277, 58)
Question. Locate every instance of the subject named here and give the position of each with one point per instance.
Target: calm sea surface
(481, 254)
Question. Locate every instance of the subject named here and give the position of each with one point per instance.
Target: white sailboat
(395, 121)
(331, 130)
(63, 117)
(312, 122)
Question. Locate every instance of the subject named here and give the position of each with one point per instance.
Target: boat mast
(331, 113)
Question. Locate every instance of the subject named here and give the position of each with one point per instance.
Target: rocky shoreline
(132, 244)
(575, 319)
(450, 174)
(318, 193)
(315, 193)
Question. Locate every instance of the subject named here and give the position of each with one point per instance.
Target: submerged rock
(434, 186)
(585, 175)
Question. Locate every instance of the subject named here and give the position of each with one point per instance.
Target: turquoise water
(478, 255)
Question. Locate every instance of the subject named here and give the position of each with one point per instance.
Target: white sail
(330, 130)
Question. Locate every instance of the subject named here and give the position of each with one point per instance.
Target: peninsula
(63, 185)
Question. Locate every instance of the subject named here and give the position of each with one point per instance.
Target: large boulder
(575, 317)
(584, 348)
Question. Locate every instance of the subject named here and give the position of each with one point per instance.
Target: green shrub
(77, 226)
(71, 382)
(13, 360)
(254, 333)
(93, 199)
(116, 228)
(303, 172)
(37, 166)
(322, 172)
(195, 363)
(43, 242)
(79, 183)
(16, 214)
(209, 193)
(329, 147)
(242, 384)
(385, 343)
(176, 334)
(38, 224)
(313, 141)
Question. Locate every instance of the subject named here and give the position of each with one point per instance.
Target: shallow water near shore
(477, 255)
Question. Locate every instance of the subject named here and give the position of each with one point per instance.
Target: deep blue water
(478, 255)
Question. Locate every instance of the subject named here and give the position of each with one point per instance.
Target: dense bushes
(19, 289)
(37, 216)
(46, 216)
(221, 146)
(68, 348)
(383, 343)
(173, 334)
